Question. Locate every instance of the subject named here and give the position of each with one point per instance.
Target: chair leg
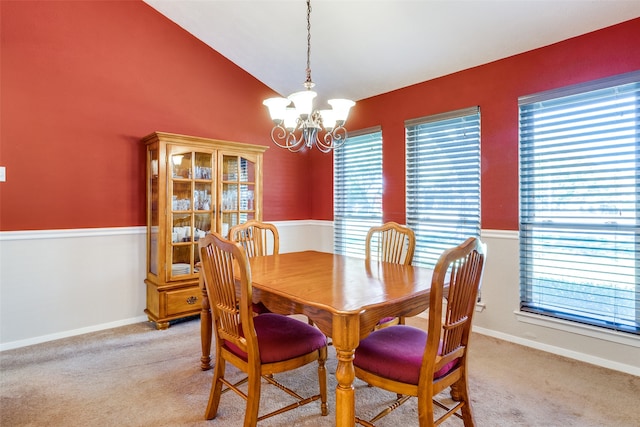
(462, 395)
(455, 392)
(322, 379)
(253, 399)
(425, 409)
(216, 389)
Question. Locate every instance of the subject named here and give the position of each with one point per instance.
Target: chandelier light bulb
(290, 118)
(341, 108)
(303, 102)
(277, 107)
(328, 119)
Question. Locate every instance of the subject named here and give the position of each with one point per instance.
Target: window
(443, 181)
(357, 190)
(580, 203)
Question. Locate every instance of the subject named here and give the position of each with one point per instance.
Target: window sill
(578, 328)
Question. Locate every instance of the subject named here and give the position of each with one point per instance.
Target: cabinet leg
(162, 325)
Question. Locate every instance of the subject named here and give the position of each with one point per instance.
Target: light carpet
(138, 376)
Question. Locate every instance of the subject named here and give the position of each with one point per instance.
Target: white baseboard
(582, 357)
(70, 333)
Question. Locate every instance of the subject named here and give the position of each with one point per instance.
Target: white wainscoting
(60, 283)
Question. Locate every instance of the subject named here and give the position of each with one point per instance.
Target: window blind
(357, 190)
(580, 203)
(443, 181)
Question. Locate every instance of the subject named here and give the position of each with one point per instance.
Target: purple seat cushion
(282, 338)
(396, 353)
(385, 320)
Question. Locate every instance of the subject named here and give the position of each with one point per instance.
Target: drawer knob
(192, 300)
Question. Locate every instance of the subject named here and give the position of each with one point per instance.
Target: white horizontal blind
(357, 191)
(443, 181)
(580, 203)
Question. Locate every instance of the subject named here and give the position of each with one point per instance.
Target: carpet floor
(138, 376)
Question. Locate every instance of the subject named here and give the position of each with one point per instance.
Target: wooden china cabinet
(194, 186)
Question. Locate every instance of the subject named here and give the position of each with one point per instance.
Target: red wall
(83, 81)
(495, 87)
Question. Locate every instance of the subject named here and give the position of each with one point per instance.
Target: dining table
(344, 296)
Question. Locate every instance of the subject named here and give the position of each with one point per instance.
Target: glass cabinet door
(238, 191)
(192, 213)
(153, 212)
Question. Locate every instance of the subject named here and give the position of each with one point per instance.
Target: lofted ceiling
(364, 48)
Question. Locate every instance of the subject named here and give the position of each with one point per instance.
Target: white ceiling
(364, 48)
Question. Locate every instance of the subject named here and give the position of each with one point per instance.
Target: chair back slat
(390, 242)
(223, 261)
(256, 237)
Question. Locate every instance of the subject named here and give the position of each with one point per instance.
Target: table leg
(346, 334)
(205, 328)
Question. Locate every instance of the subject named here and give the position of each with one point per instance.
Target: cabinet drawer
(183, 301)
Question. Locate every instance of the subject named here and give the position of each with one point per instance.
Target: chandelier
(299, 126)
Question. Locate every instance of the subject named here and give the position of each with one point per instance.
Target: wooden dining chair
(260, 346)
(394, 243)
(390, 242)
(410, 361)
(258, 239)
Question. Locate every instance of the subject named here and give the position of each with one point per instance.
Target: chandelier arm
(285, 139)
(339, 135)
(297, 143)
(325, 144)
(333, 140)
(322, 146)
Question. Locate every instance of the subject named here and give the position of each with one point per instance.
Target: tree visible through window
(580, 203)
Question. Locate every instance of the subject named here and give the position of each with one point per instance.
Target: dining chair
(259, 346)
(410, 361)
(390, 242)
(258, 239)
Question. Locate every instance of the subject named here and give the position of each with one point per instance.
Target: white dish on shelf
(180, 268)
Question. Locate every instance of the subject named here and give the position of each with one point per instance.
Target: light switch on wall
(3, 174)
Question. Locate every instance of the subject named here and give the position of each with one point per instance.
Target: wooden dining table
(345, 297)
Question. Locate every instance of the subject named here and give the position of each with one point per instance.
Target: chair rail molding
(68, 233)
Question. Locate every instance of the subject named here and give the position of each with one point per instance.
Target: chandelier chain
(309, 81)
